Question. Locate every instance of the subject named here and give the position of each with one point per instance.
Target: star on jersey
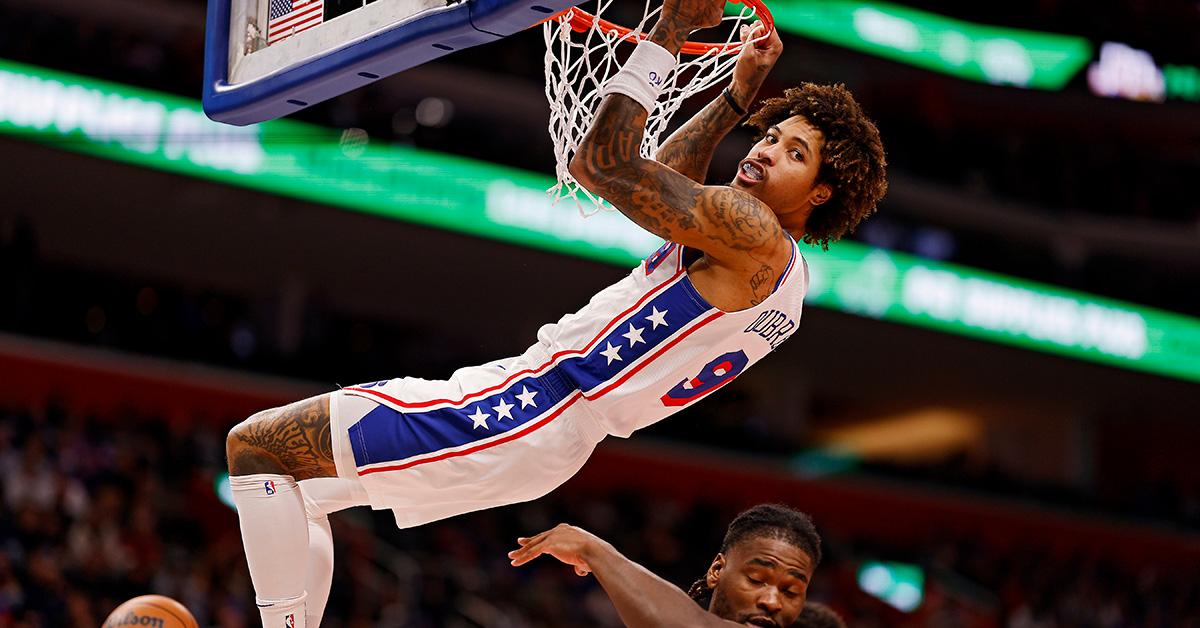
(612, 352)
(634, 335)
(504, 410)
(479, 418)
(526, 397)
(656, 317)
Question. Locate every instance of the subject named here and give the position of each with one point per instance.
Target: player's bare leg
(289, 548)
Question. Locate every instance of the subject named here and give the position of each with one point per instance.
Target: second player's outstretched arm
(641, 598)
(690, 149)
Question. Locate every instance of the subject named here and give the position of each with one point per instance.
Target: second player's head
(818, 162)
(761, 575)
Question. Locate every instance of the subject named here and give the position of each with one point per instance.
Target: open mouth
(765, 622)
(751, 172)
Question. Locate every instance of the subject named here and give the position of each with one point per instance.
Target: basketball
(156, 611)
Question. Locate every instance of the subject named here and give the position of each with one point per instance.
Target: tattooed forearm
(293, 440)
(609, 164)
(658, 198)
(690, 149)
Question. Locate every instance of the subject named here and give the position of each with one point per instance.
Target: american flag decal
(288, 17)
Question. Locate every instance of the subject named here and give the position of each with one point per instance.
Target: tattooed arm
(690, 149)
(733, 228)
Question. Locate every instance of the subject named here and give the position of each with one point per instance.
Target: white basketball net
(578, 64)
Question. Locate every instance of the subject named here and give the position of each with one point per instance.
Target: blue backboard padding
(505, 17)
(396, 49)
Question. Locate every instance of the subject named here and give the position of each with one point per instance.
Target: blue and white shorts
(491, 435)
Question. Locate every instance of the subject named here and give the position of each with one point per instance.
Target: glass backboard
(268, 58)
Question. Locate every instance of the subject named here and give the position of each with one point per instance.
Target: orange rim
(581, 21)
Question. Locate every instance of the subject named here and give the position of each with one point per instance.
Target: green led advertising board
(976, 52)
(345, 170)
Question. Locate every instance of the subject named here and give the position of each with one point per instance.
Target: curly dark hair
(817, 615)
(774, 521)
(852, 158)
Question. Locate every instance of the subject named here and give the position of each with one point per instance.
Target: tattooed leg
(270, 454)
(293, 440)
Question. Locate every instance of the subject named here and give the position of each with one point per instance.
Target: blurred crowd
(175, 320)
(1166, 499)
(98, 509)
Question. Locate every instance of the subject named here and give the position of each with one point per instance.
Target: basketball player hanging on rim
(724, 291)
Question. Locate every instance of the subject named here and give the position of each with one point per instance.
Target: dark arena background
(991, 408)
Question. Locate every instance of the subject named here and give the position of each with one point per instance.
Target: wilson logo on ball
(133, 619)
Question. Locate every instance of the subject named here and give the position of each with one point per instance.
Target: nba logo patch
(269, 487)
(290, 620)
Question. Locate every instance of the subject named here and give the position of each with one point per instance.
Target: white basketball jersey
(513, 429)
(652, 344)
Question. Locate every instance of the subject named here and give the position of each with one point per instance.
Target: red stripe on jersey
(554, 358)
(550, 417)
(499, 441)
(786, 271)
(633, 371)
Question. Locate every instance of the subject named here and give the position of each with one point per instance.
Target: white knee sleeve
(321, 497)
(275, 535)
